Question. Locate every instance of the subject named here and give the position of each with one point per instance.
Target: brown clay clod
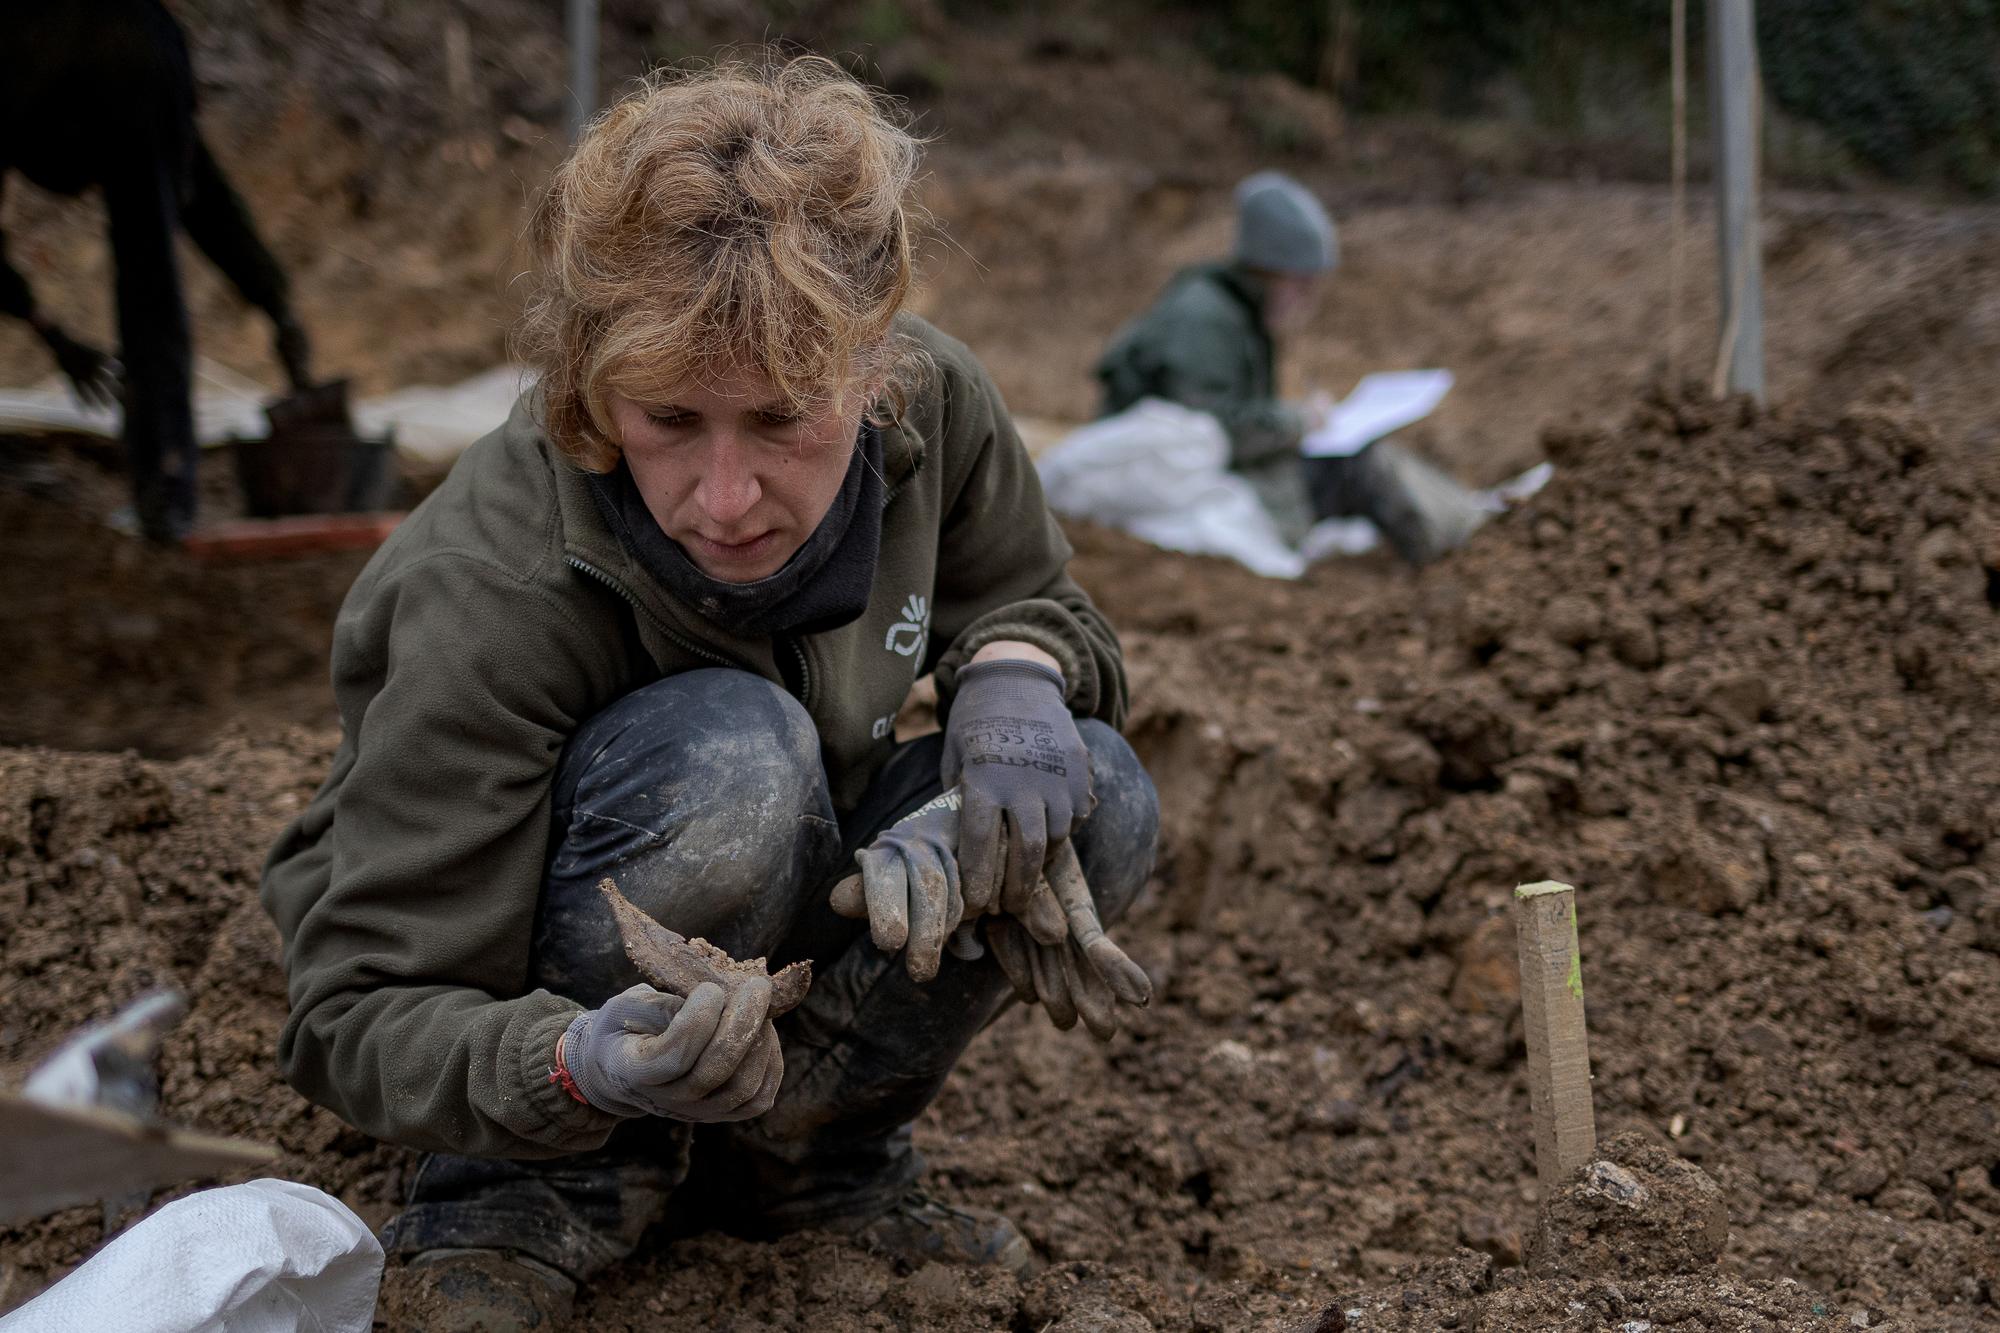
(674, 963)
(1636, 1210)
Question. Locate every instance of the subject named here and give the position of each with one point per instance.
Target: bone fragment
(676, 964)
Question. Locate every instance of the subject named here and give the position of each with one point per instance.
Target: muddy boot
(487, 1291)
(918, 1229)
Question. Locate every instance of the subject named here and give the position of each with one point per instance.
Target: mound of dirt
(391, 156)
(1635, 1211)
(119, 874)
(1730, 674)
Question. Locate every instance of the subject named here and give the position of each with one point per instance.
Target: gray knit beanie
(1281, 227)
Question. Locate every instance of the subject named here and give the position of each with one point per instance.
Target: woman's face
(730, 472)
(1290, 300)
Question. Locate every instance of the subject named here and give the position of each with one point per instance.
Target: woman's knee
(1117, 843)
(703, 796)
(715, 728)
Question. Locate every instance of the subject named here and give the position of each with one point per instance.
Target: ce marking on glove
(1016, 761)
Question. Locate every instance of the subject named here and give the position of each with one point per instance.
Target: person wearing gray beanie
(1209, 342)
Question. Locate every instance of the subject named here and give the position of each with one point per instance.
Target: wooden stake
(1558, 1047)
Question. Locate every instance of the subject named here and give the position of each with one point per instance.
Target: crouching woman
(657, 630)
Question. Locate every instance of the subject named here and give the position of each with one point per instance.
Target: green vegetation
(1911, 88)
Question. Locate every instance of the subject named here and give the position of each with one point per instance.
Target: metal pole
(1735, 91)
(1677, 211)
(582, 31)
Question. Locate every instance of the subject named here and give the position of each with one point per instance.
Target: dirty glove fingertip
(849, 899)
(1044, 916)
(886, 886)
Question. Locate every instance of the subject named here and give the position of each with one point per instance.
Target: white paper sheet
(1381, 403)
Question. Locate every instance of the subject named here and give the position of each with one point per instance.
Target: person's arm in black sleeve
(88, 370)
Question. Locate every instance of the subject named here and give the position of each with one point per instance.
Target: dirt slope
(1067, 179)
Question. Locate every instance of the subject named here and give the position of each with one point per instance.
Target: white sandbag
(1160, 471)
(269, 1256)
(1339, 536)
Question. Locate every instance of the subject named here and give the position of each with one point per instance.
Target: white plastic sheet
(433, 423)
(226, 405)
(1160, 472)
(437, 424)
(269, 1256)
(1517, 488)
(1339, 536)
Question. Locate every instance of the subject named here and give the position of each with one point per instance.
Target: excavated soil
(1730, 674)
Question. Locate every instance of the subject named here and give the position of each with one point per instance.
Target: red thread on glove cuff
(561, 1077)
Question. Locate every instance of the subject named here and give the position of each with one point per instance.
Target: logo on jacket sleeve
(908, 635)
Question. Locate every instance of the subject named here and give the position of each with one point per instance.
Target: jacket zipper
(916, 466)
(805, 672)
(679, 639)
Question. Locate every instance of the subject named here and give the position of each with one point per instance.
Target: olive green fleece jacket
(500, 616)
(1203, 345)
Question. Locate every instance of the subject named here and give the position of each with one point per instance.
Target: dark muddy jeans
(704, 797)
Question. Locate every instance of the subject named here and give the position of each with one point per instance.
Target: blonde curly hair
(752, 215)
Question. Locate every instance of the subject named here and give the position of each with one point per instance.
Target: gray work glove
(1081, 976)
(909, 889)
(710, 1057)
(92, 375)
(1013, 748)
(910, 885)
